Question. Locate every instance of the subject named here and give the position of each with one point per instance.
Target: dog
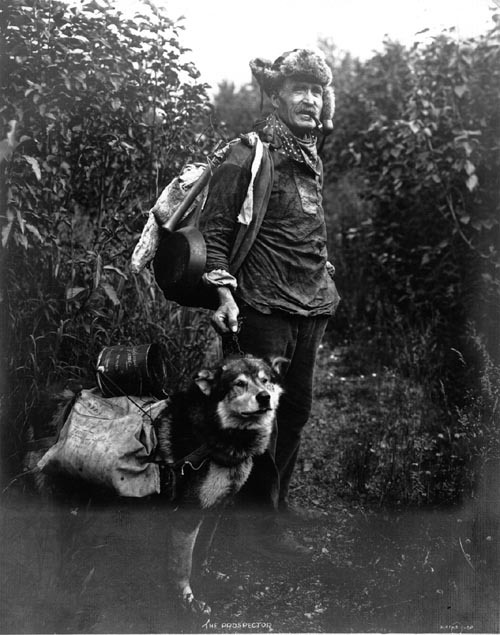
(207, 438)
(230, 412)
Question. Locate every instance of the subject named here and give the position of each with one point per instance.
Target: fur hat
(298, 63)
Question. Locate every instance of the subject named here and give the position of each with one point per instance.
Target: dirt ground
(100, 569)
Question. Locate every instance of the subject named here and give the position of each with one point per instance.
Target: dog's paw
(194, 606)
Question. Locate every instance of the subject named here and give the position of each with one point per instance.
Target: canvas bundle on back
(171, 239)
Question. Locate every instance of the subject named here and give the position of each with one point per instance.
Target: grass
(382, 434)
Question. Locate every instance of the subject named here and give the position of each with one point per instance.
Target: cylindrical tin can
(132, 370)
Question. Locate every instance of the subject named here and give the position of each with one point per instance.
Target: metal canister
(132, 370)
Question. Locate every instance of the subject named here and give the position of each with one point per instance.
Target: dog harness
(170, 473)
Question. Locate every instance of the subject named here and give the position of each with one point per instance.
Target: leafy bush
(99, 112)
(420, 129)
(237, 110)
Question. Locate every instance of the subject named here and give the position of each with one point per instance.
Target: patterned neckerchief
(280, 137)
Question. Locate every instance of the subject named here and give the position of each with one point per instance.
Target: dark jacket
(279, 259)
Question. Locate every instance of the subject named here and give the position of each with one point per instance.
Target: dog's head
(246, 389)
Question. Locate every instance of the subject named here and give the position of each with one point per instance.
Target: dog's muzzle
(263, 399)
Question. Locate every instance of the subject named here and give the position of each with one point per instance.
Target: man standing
(283, 292)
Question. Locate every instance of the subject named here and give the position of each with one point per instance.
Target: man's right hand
(225, 318)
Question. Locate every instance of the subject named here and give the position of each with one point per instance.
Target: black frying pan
(182, 253)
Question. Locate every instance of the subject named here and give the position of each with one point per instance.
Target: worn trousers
(296, 338)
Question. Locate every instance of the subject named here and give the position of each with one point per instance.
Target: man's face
(299, 104)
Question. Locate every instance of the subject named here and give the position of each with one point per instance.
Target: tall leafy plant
(98, 112)
(421, 133)
(413, 171)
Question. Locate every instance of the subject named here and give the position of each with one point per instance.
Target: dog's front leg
(203, 545)
(182, 537)
(204, 540)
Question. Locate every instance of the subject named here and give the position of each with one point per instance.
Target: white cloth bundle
(109, 442)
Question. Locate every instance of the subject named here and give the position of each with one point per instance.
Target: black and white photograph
(249, 316)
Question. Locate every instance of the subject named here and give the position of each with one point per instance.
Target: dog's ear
(205, 381)
(278, 365)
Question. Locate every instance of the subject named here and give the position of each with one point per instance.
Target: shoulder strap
(247, 234)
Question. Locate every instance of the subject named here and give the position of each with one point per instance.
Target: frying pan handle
(186, 203)
(218, 157)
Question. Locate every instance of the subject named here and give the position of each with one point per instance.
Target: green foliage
(419, 128)
(238, 110)
(414, 233)
(99, 112)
